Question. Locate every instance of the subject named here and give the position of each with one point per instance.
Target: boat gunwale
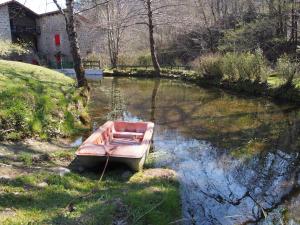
(144, 145)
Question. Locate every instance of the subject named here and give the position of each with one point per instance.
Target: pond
(238, 158)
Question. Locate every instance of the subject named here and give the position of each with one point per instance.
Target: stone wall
(5, 32)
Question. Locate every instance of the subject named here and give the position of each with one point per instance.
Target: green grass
(275, 81)
(141, 198)
(35, 102)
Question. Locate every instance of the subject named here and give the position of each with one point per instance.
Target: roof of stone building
(25, 7)
(50, 13)
(19, 4)
(81, 17)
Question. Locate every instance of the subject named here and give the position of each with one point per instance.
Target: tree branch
(61, 10)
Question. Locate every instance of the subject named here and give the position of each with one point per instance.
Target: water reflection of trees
(263, 179)
(270, 178)
(153, 99)
(219, 189)
(117, 101)
(228, 122)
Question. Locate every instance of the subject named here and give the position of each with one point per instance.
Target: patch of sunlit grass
(35, 102)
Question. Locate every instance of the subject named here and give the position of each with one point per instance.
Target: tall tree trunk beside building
(151, 38)
(73, 39)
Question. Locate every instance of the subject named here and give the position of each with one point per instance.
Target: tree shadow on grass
(127, 201)
(136, 196)
(19, 147)
(23, 194)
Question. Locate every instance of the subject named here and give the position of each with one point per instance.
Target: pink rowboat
(124, 142)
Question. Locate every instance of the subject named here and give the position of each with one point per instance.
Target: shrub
(127, 59)
(7, 48)
(245, 66)
(144, 60)
(246, 38)
(287, 69)
(103, 58)
(209, 66)
(141, 58)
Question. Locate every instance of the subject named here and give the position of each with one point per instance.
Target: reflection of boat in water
(123, 142)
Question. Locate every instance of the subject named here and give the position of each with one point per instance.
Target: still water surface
(238, 158)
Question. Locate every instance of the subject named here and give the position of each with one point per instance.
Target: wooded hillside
(184, 30)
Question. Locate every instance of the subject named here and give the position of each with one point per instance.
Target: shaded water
(238, 158)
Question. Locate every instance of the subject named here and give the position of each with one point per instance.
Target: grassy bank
(36, 185)
(37, 102)
(32, 191)
(242, 73)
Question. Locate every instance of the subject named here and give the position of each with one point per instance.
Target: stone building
(46, 33)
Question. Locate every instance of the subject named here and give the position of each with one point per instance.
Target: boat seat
(119, 134)
(125, 141)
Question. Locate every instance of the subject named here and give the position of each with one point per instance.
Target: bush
(245, 66)
(138, 58)
(249, 36)
(103, 58)
(209, 66)
(144, 60)
(7, 48)
(127, 59)
(287, 69)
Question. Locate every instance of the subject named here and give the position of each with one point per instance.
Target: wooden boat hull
(94, 161)
(125, 142)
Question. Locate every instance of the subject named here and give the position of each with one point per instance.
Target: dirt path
(31, 156)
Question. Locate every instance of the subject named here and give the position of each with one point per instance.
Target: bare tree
(118, 16)
(151, 37)
(113, 17)
(69, 16)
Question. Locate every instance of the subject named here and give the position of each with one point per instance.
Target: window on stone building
(57, 39)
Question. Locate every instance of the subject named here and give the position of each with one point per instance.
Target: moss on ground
(39, 195)
(36, 102)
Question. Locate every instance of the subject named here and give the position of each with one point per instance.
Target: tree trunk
(74, 46)
(211, 41)
(109, 35)
(113, 33)
(271, 7)
(294, 27)
(213, 11)
(151, 39)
